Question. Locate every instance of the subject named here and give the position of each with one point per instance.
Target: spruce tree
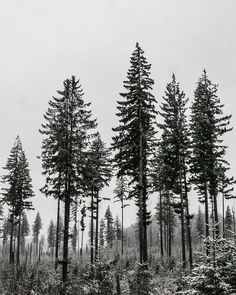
(17, 192)
(135, 136)
(109, 235)
(121, 195)
(228, 223)
(25, 230)
(174, 154)
(208, 125)
(51, 238)
(66, 136)
(199, 225)
(37, 226)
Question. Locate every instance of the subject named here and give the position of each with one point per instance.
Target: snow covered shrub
(140, 280)
(214, 274)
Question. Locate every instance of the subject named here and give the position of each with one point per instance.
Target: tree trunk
(169, 227)
(206, 216)
(223, 215)
(11, 258)
(91, 237)
(216, 217)
(82, 241)
(122, 226)
(161, 227)
(66, 233)
(97, 225)
(18, 241)
(57, 233)
(188, 221)
(182, 216)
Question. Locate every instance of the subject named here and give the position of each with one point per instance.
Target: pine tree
(51, 238)
(199, 225)
(101, 233)
(37, 226)
(25, 230)
(18, 191)
(208, 124)
(174, 154)
(228, 224)
(66, 133)
(135, 137)
(95, 178)
(121, 195)
(109, 235)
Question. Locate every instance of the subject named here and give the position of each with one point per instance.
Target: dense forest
(170, 149)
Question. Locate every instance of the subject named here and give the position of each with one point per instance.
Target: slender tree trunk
(18, 241)
(57, 233)
(161, 227)
(145, 250)
(216, 217)
(82, 242)
(92, 238)
(169, 227)
(223, 215)
(182, 216)
(234, 224)
(11, 258)
(97, 225)
(206, 216)
(66, 233)
(122, 226)
(188, 220)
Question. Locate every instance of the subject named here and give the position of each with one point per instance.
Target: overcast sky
(44, 42)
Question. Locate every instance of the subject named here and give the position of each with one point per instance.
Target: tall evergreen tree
(208, 125)
(37, 226)
(25, 230)
(17, 192)
(199, 225)
(228, 223)
(51, 238)
(66, 132)
(135, 137)
(121, 195)
(174, 147)
(109, 235)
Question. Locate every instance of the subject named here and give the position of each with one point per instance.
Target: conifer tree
(101, 233)
(109, 235)
(25, 230)
(51, 238)
(174, 153)
(208, 125)
(228, 223)
(17, 192)
(66, 133)
(135, 137)
(121, 195)
(37, 226)
(199, 225)
(95, 178)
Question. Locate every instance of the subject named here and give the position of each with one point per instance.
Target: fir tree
(51, 238)
(208, 124)
(18, 191)
(25, 230)
(174, 154)
(37, 226)
(109, 235)
(66, 131)
(121, 195)
(199, 225)
(228, 224)
(135, 137)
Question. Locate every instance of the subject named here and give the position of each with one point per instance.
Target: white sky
(45, 42)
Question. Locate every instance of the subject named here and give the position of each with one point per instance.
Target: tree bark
(97, 226)
(18, 241)
(161, 227)
(57, 233)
